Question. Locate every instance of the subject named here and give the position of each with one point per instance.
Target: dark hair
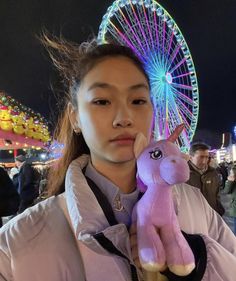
(73, 63)
(198, 146)
(21, 158)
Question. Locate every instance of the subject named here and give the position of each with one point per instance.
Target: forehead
(118, 70)
(202, 153)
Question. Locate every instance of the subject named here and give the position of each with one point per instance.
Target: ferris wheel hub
(169, 78)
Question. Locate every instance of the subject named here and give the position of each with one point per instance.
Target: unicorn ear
(139, 144)
(185, 156)
(178, 130)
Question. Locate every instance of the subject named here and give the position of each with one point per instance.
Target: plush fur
(160, 241)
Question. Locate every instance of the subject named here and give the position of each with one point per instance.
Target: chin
(122, 158)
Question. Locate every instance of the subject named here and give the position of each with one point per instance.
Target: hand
(231, 178)
(148, 276)
(134, 244)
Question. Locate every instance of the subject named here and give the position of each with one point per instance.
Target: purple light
(170, 43)
(178, 65)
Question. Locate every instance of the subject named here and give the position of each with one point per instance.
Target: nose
(122, 122)
(123, 118)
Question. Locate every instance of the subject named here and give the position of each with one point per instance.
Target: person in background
(81, 232)
(9, 198)
(223, 170)
(230, 188)
(14, 172)
(26, 183)
(205, 177)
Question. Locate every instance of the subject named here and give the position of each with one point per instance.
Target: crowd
(85, 229)
(20, 187)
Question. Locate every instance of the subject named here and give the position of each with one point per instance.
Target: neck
(201, 170)
(121, 174)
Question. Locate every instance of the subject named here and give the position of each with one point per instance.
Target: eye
(155, 154)
(139, 101)
(101, 102)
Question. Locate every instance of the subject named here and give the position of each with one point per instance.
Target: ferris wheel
(147, 28)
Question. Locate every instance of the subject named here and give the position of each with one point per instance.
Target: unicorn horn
(178, 130)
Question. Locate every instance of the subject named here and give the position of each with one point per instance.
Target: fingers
(134, 245)
(133, 228)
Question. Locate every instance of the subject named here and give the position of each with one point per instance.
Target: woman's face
(113, 106)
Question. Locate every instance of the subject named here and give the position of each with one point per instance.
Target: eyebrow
(103, 85)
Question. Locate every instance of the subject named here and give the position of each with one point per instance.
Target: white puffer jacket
(53, 240)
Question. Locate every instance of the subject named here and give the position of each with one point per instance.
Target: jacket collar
(86, 215)
(84, 210)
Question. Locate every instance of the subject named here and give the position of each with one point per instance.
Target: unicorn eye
(155, 154)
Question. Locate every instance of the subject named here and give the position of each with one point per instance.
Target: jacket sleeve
(219, 230)
(230, 186)
(213, 262)
(221, 264)
(5, 267)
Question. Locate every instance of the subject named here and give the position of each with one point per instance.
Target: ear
(72, 115)
(174, 136)
(139, 144)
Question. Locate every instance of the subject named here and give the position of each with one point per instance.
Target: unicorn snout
(174, 169)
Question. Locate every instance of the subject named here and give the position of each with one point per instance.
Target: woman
(230, 187)
(9, 198)
(81, 234)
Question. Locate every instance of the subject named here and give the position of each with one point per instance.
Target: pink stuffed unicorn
(160, 241)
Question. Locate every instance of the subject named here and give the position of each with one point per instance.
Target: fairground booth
(22, 131)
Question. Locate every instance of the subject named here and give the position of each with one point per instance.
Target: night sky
(27, 74)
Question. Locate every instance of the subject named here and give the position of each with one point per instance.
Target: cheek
(91, 125)
(87, 123)
(148, 124)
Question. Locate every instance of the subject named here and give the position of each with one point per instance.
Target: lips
(125, 137)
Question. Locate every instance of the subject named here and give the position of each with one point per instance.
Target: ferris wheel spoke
(145, 24)
(185, 110)
(180, 117)
(139, 24)
(173, 55)
(182, 86)
(163, 37)
(156, 30)
(182, 96)
(124, 38)
(182, 75)
(170, 43)
(127, 28)
(177, 65)
(132, 25)
(148, 26)
(154, 66)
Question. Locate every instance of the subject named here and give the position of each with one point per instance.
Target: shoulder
(27, 166)
(192, 208)
(230, 186)
(2, 171)
(189, 198)
(185, 190)
(212, 171)
(28, 226)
